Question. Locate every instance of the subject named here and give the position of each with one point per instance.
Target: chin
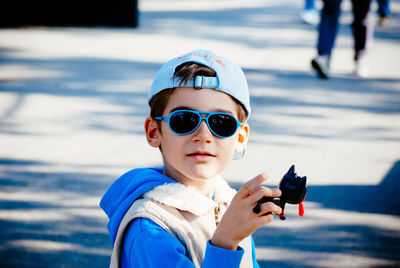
(203, 173)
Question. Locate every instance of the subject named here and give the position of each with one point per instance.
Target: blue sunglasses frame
(201, 118)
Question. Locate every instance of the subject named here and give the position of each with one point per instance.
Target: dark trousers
(383, 8)
(329, 26)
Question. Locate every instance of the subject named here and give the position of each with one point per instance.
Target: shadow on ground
(49, 223)
(361, 240)
(57, 233)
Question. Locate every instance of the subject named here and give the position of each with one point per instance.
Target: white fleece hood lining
(184, 198)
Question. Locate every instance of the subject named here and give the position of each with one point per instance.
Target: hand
(239, 220)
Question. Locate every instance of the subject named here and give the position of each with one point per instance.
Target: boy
(185, 214)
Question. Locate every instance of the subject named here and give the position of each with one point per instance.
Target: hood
(179, 196)
(125, 190)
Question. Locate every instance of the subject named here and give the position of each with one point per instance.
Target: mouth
(201, 155)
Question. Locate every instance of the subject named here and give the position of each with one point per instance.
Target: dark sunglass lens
(183, 122)
(222, 124)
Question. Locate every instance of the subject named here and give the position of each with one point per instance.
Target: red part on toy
(301, 209)
(282, 215)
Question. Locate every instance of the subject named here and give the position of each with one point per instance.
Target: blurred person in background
(328, 28)
(309, 14)
(383, 12)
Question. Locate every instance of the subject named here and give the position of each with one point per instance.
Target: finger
(269, 207)
(265, 219)
(262, 191)
(249, 186)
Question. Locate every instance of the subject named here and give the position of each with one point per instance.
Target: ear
(153, 135)
(243, 137)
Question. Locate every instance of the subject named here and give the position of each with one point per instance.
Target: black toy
(293, 190)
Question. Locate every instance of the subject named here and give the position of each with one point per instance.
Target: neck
(203, 186)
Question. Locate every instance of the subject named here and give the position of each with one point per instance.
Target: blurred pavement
(72, 107)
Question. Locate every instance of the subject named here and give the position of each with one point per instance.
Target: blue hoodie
(146, 244)
(125, 190)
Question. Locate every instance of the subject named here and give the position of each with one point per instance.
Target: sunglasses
(183, 122)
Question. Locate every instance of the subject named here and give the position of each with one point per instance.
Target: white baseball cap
(229, 76)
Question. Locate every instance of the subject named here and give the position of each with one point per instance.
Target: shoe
(320, 64)
(362, 68)
(310, 16)
(383, 21)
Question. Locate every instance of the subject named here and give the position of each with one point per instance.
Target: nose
(202, 133)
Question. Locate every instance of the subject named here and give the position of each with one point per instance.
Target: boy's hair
(185, 72)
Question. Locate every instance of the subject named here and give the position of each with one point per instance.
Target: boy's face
(200, 155)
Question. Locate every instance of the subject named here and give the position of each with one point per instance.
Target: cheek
(164, 128)
(228, 147)
(171, 144)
